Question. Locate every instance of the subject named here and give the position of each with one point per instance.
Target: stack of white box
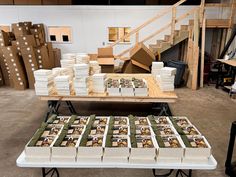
(99, 83)
(156, 68)
(63, 84)
(43, 82)
(68, 60)
(82, 58)
(166, 79)
(94, 67)
(81, 80)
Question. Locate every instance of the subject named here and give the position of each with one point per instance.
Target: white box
(149, 153)
(167, 129)
(165, 152)
(92, 151)
(144, 130)
(118, 120)
(191, 152)
(141, 121)
(118, 151)
(162, 120)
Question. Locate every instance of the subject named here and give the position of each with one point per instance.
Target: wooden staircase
(163, 45)
(190, 32)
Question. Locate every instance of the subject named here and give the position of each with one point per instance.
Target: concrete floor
(21, 113)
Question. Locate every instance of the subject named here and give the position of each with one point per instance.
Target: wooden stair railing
(136, 30)
(189, 12)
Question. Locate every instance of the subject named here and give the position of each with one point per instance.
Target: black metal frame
(178, 173)
(51, 171)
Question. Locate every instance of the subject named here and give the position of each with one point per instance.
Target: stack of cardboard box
(141, 59)
(105, 59)
(28, 45)
(16, 67)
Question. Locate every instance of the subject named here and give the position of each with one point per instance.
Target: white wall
(89, 23)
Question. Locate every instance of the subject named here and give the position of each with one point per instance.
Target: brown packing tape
(57, 57)
(142, 54)
(31, 64)
(5, 71)
(42, 57)
(16, 67)
(50, 54)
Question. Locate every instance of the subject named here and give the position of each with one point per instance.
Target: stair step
(176, 32)
(184, 27)
(167, 38)
(153, 46)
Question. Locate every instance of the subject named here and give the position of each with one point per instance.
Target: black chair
(230, 167)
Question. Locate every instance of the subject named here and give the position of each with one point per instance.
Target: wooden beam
(173, 21)
(203, 51)
(136, 38)
(195, 51)
(217, 5)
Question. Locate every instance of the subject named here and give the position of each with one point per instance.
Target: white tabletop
(22, 163)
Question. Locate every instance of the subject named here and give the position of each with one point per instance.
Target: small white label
(30, 56)
(19, 78)
(26, 43)
(24, 38)
(11, 54)
(30, 61)
(40, 56)
(32, 64)
(28, 49)
(40, 61)
(21, 83)
(17, 74)
(16, 69)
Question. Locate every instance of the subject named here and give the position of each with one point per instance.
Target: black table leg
(53, 172)
(163, 108)
(71, 107)
(184, 174)
(218, 75)
(162, 175)
(51, 109)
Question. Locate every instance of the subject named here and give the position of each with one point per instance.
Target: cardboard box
(6, 2)
(27, 2)
(64, 2)
(49, 2)
(57, 57)
(142, 55)
(107, 65)
(19, 30)
(5, 71)
(42, 57)
(1, 78)
(31, 64)
(38, 34)
(4, 39)
(25, 41)
(105, 52)
(50, 54)
(40, 27)
(131, 66)
(16, 67)
(93, 57)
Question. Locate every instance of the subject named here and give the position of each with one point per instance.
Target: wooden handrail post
(173, 21)
(137, 38)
